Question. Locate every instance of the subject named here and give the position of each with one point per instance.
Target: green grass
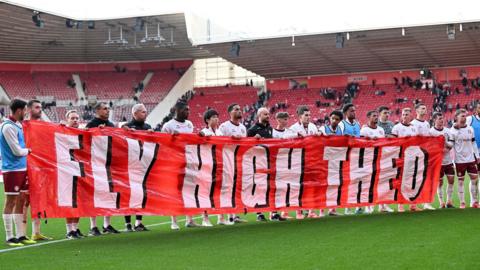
(440, 239)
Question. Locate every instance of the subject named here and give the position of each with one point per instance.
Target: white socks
(72, 227)
(35, 226)
(106, 222)
(93, 222)
(8, 223)
(137, 222)
(18, 220)
(449, 192)
(473, 191)
(461, 192)
(440, 194)
(174, 220)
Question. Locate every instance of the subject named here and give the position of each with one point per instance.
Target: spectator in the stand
(409, 81)
(464, 81)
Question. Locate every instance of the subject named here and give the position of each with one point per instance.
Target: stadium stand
(159, 86)
(55, 84)
(108, 85)
(18, 84)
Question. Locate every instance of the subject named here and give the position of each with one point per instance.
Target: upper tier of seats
(55, 84)
(159, 86)
(19, 84)
(111, 84)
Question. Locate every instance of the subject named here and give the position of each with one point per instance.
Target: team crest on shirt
(17, 188)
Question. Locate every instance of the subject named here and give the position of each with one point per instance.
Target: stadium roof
(363, 51)
(21, 40)
(375, 40)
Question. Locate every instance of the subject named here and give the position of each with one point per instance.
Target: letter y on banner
(141, 157)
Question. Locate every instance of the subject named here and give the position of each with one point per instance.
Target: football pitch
(440, 239)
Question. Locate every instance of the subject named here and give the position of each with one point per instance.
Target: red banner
(111, 171)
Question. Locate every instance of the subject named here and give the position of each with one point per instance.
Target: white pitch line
(63, 240)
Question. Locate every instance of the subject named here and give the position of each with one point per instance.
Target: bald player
(262, 129)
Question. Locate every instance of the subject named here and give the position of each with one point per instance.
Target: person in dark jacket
(102, 112)
(139, 115)
(262, 129)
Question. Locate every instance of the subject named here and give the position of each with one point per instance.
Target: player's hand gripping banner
(76, 173)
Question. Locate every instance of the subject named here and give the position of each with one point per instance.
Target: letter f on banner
(141, 157)
(68, 170)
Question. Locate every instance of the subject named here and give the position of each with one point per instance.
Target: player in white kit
(448, 169)
(282, 125)
(178, 125)
(211, 119)
(279, 133)
(373, 131)
(405, 129)
(303, 127)
(423, 129)
(466, 157)
(234, 128)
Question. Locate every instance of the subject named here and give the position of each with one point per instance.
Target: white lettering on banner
(255, 177)
(335, 156)
(289, 177)
(141, 157)
(388, 172)
(229, 176)
(201, 171)
(362, 175)
(414, 172)
(199, 180)
(103, 195)
(68, 170)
